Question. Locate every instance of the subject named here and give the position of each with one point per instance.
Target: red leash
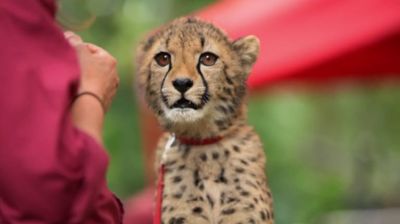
(160, 184)
(160, 187)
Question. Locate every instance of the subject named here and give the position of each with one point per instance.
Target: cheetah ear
(247, 48)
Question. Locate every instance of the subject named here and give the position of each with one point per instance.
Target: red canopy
(308, 40)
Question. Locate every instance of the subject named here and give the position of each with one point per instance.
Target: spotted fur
(220, 183)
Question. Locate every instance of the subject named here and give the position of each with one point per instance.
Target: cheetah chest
(204, 184)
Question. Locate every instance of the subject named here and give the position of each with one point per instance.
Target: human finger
(94, 48)
(73, 38)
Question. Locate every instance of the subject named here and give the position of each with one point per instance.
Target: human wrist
(88, 116)
(94, 96)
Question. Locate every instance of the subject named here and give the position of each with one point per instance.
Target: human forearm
(88, 116)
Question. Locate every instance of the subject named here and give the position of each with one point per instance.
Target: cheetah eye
(163, 59)
(208, 59)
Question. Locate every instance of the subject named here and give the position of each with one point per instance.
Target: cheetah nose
(182, 85)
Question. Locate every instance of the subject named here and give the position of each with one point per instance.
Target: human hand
(98, 69)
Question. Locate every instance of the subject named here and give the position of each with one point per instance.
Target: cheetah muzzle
(194, 79)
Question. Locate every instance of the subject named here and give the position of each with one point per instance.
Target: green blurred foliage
(327, 150)
(330, 150)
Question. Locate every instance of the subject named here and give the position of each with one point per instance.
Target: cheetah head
(193, 76)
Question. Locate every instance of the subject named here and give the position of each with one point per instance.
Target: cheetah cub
(194, 79)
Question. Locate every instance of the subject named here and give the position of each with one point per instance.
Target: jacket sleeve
(50, 172)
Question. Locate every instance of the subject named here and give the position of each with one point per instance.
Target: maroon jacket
(50, 172)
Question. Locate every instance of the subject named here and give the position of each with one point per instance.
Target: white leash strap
(168, 145)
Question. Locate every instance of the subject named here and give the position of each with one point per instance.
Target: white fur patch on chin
(185, 115)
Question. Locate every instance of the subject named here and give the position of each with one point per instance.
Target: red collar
(206, 141)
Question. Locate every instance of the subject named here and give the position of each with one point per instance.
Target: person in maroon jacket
(54, 92)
